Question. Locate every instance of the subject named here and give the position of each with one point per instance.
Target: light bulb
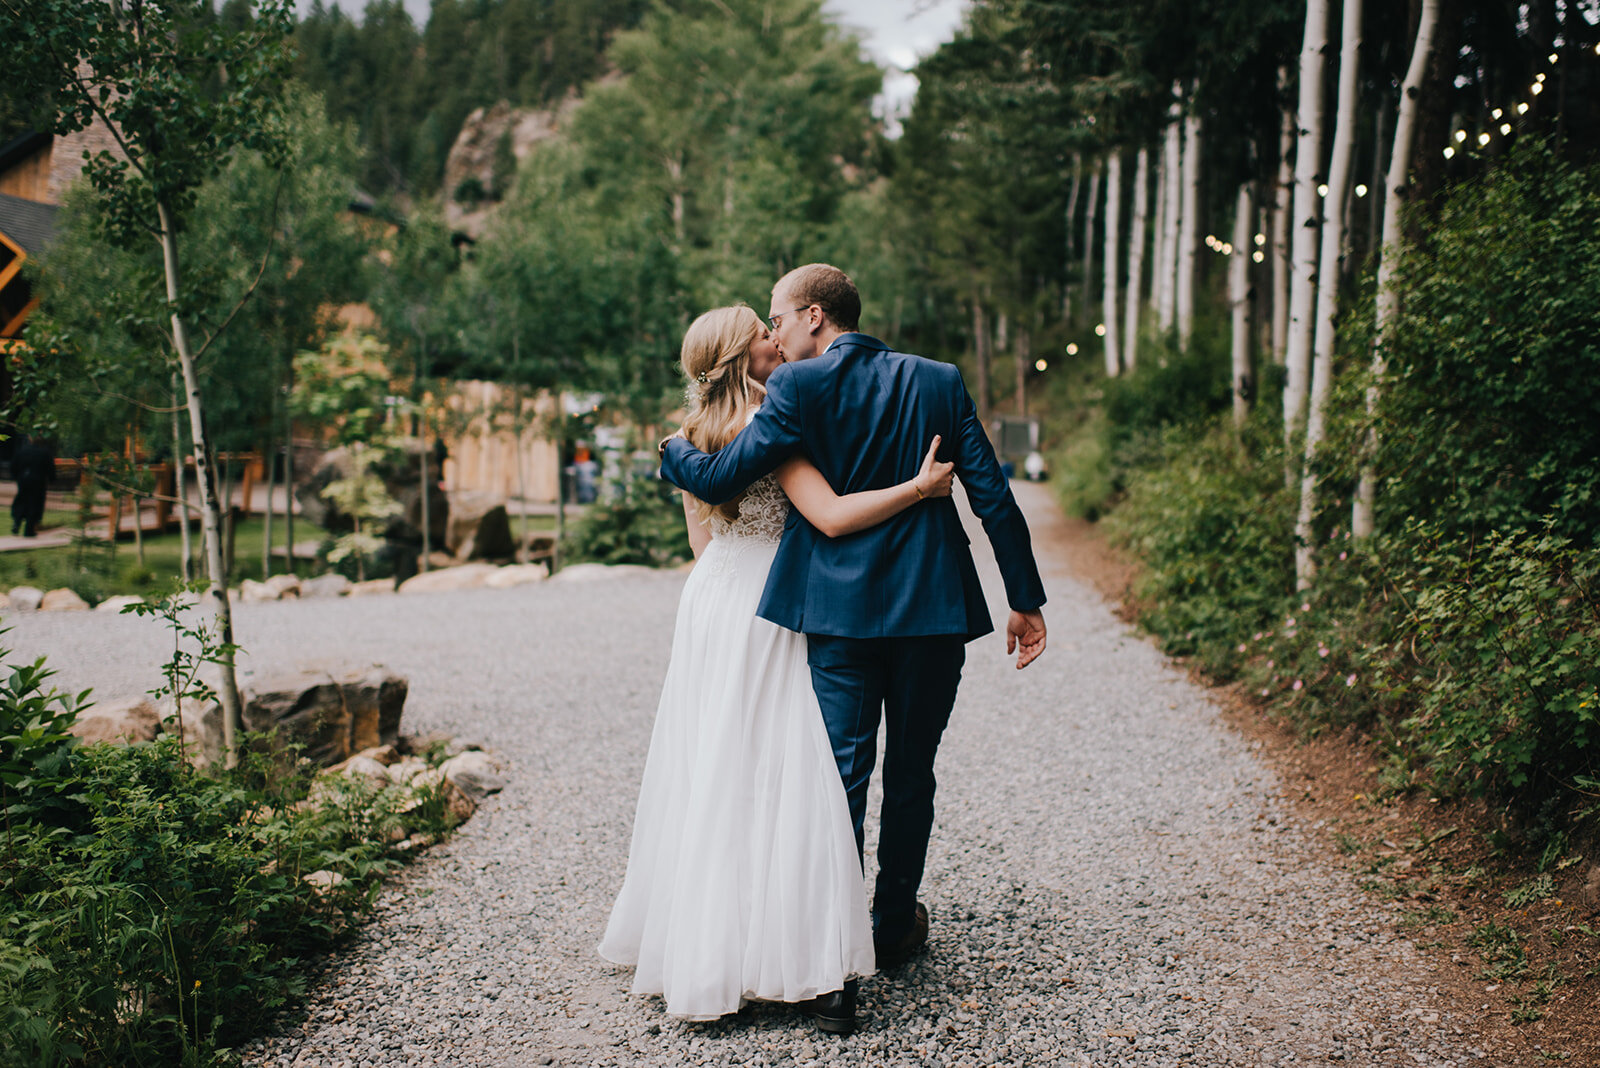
(1522, 109)
(1483, 139)
(1072, 348)
(1227, 248)
(1505, 128)
(1259, 256)
(1535, 88)
(1361, 190)
(1553, 57)
(1496, 113)
(1100, 330)
(1322, 190)
(1539, 77)
(1261, 239)
(1449, 152)
(1040, 364)
(1461, 135)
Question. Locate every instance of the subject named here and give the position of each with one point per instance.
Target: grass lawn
(100, 570)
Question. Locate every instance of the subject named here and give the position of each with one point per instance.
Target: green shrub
(637, 521)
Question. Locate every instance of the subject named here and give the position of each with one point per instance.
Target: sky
(894, 32)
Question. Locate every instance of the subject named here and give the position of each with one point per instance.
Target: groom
(886, 612)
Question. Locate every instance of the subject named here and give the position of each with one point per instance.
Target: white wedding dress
(743, 881)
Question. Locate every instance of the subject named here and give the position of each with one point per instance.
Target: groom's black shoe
(835, 1012)
(895, 951)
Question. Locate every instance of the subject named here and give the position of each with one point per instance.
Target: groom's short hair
(830, 289)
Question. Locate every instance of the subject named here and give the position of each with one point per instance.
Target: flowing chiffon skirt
(743, 880)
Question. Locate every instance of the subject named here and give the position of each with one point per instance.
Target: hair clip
(702, 378)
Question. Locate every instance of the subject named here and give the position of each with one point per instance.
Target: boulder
(126, 719)
(407, 768)
(115, 605)
(362, 767)
(476, 774)
(63, 600)
(383, 754)
(516, 575)
(199, 725)
(538, 545)
(456, 801)
(322, 881)
(331, 714)
(401, 472)
(370, 587)
(253, 592)
(479, 528)
(25, 598)
(462, 577)
(332, 584)
(599, 572)
(284, 585)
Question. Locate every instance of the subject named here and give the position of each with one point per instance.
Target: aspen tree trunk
(266, 522)
(1023, 354)
(180, 486)
(1336, 208)
(288, 475)
(1239, 301)
(1089, 210)
(1135, 292)
(1067, 231)
(210, 515)
(980, 346)
(1388, 300)
(1189, 231)
(1306, 219)
(1167, 293)
(1108, 290)
(1158, 244)
(1375, 205)
(1282, 208)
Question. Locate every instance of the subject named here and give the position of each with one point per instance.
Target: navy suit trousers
(910, 685)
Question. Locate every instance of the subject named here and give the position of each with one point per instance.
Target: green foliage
(1494, 370)
(636, 521)
(363, 497)
(341, 387)
(35, 747)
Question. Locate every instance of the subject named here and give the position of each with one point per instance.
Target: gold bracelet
(918, 489)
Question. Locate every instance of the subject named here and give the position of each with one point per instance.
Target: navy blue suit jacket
(865, 415)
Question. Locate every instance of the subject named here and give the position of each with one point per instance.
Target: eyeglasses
(776, 320)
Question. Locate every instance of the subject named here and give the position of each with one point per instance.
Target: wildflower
(1241, 647)
(1291, 622)
(1257, 637)
(1350, 679)
(1271, 664)
(1343, 555)
(1263, 693)
(1305, 608)
(1298, 684)
(1322, 651)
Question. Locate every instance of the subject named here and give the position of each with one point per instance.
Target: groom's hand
(661, 448)
(1025, 636)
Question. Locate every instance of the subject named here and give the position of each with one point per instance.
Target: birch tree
(1306, 218)
(154, 76)
(1328, 274)
(1239, 302)
(1189, 231)
(1396, 187)
(1136, 239)
(1172, 208)
(1282, 191)
(1112, 261)
(1089, 212)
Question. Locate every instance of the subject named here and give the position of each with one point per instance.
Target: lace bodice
(762, 513)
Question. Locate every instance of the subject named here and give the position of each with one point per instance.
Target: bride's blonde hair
(716, 361)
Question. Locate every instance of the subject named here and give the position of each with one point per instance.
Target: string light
(1553, 57)
(1536, 88)
(1483, 139)
(1261, 239)
(1100, 330)
(1539, 77)
(1072, 348)
(1361, 190)
(1227, 248)
(1322, 190)
(1522, 109)
(1448, 152)
(1461, 135)
(1505, 128)
(1496, 113)
(1259, 256)
(1211, 241)
(1040, 364)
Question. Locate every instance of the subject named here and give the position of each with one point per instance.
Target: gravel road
(1113, 879)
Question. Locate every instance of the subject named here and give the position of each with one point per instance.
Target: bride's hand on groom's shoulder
(1025, 636)
(936, 479)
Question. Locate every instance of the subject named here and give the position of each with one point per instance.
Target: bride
(743, 880)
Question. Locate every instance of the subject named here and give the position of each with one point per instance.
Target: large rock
(332, 584)
(370, 587)
(198, 724)
(115, 605)
(599, 572)
(464, 577)
(284, 585)
(126, 719)
(476, 774)
(251, 592)
(332, 715)
(516, 575)
(401, 472)
(479, 528)
(475, 170)
(25, 598)
(63, 600)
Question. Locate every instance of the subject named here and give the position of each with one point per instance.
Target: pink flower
(1241, 647)
(1323, 651)
(1263, 693)
(1271, 664)
(1291, 621)
(1257, 637)
(1343, 555)
(1305, 608)
(1297, 684)
(1350, 680)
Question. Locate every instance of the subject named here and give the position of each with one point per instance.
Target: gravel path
(1113, 879)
